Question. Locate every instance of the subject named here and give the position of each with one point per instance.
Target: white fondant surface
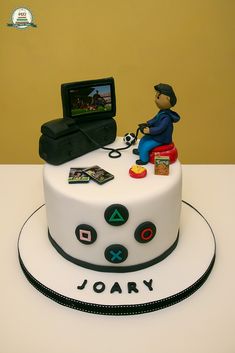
(155, 198)
(177, 272)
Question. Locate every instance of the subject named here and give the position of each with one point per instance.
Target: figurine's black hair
(168, 91)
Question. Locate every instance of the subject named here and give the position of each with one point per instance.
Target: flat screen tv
(89, 100)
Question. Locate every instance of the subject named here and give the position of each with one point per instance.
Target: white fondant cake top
(121, 188)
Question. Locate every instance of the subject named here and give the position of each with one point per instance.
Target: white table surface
(203, 323)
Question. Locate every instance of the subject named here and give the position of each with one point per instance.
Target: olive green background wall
(189, 44)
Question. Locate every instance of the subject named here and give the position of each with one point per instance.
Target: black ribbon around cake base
(115, 309)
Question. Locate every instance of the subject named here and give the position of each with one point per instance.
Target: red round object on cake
(165, 151)
(137, 172)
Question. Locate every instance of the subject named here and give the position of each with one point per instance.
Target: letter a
(116, 288)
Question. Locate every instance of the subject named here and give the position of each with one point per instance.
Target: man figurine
(158, 131)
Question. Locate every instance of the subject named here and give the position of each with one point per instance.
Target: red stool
(164, 150)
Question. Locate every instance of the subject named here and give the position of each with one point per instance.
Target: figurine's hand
(146, 130)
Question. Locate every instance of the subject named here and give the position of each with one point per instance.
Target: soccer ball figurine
(129, 138)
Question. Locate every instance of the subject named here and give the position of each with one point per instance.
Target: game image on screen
(88, 100)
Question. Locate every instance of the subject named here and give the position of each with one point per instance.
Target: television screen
(87, 100)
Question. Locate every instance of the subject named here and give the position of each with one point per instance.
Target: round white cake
(123, 225)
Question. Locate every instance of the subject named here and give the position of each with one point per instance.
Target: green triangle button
(116, 215)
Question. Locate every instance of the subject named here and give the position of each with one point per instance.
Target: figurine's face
(162, 101)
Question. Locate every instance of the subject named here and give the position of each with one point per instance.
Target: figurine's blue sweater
(160, 132)
(161, 126)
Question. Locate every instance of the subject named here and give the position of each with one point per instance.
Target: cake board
(159, 286)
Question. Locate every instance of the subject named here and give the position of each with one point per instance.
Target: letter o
(99, 287)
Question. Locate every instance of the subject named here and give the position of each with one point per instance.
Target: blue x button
(116, 253)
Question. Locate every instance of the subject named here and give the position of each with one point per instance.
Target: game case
(162, 165)
(76, 175)
(98, 174)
